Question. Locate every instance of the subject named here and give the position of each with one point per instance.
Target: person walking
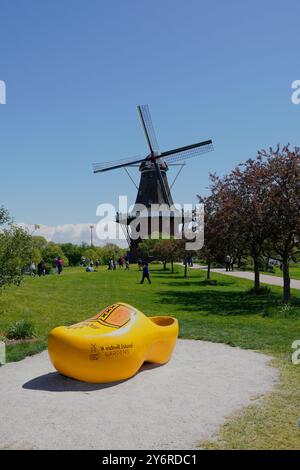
(146, 274)
(41, 268)
(231, 263)
(227, 262)
(32, 269)
(127, 264)
(59, 264)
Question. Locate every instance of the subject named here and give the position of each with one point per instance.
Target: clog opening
(163, 321)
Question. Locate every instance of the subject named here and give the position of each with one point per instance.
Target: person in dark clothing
(228, 262)
(145, 274)
(41, 268)
(59, 264)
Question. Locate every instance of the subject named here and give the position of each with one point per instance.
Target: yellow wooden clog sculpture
(112, 345)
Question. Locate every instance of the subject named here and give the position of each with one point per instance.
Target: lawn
(224, 312)
(294, 272)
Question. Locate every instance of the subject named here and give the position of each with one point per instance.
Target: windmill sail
(146, 121)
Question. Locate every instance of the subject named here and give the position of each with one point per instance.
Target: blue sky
(75, 71)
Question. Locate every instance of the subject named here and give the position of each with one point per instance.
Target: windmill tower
(153, 188)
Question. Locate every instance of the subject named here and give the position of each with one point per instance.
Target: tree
(39, 242)
(283, 169)
(217, 238)
(90, 254)
(109, 251)
(72, 252)
(51, 252)
(168, 250)
(242, 197)
(16, 251)
(147, 248)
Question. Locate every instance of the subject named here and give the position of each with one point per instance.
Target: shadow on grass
(195, 282)
(55, 382)
(214, 302)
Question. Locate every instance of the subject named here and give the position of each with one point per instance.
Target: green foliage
(20, 330)
(16, 251)
(51, 252)
(39, 242)
(147, 247)
(72, 252)
(110, 250)
(91, 253)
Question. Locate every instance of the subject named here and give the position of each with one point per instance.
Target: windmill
(153, 187)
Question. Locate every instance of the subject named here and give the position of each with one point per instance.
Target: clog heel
(112, 345)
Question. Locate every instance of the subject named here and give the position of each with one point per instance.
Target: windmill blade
(183, 153)
(146, 120)
(106, 166)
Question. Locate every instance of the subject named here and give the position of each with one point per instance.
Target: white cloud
(78, 233)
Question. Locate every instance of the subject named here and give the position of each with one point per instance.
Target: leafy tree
(39, 242)
(168, 250)
(243, 210)
(51, 252)
(147, 247)
(216, 233)
(72, 252)
(16, 251)
(283, 169)
(108, 251)
(91, 253)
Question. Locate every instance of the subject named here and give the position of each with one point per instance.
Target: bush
(20, 330)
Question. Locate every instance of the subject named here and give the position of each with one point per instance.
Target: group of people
(188, 262)
(229, 263)
(112, 265)
(41, 268)
(122, 261)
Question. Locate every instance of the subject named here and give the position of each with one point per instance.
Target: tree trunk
(256, 274)
(286, 280)
(208, 270)
(185, 269)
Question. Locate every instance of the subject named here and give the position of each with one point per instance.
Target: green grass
(294, 272)
(224, 312)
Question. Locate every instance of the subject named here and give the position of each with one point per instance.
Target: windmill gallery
(153, 189)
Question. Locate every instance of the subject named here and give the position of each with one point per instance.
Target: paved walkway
(167, 407)
(264, 278)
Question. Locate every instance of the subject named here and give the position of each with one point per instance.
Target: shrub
(20, 330)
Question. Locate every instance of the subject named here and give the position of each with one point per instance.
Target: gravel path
(167, 407)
